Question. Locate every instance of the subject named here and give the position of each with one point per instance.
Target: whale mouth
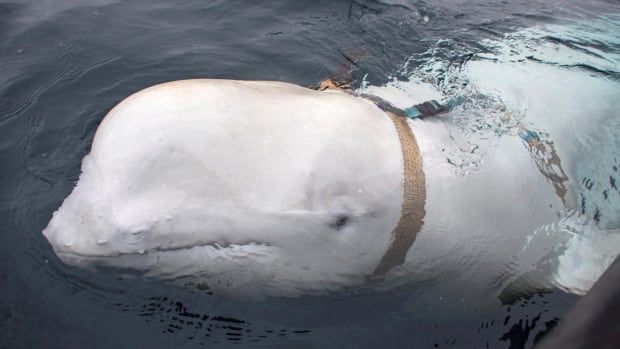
(145, 262)
(218, 245)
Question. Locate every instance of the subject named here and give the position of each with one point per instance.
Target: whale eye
(340, 222)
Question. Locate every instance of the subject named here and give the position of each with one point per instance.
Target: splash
(558, 82)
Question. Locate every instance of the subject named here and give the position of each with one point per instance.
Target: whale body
(269, 188)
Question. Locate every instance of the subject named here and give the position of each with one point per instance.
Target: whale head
(279, 203)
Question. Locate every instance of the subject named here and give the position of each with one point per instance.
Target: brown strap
(414, 198)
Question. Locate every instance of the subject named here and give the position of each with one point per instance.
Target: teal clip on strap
(412, 112)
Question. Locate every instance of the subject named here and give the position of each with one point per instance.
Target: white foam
(530, 82)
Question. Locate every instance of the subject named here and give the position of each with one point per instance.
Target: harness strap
(414, 198)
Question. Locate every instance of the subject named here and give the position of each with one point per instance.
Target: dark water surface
(65, 63)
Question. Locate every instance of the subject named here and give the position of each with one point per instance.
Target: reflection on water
(543, 72)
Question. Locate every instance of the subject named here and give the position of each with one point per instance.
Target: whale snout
(77, 230)
(71, 239)
(89, 244)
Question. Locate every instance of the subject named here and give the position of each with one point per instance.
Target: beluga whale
(270, 188)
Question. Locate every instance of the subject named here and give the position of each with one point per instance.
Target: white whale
(251, 182)
(271, 188)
